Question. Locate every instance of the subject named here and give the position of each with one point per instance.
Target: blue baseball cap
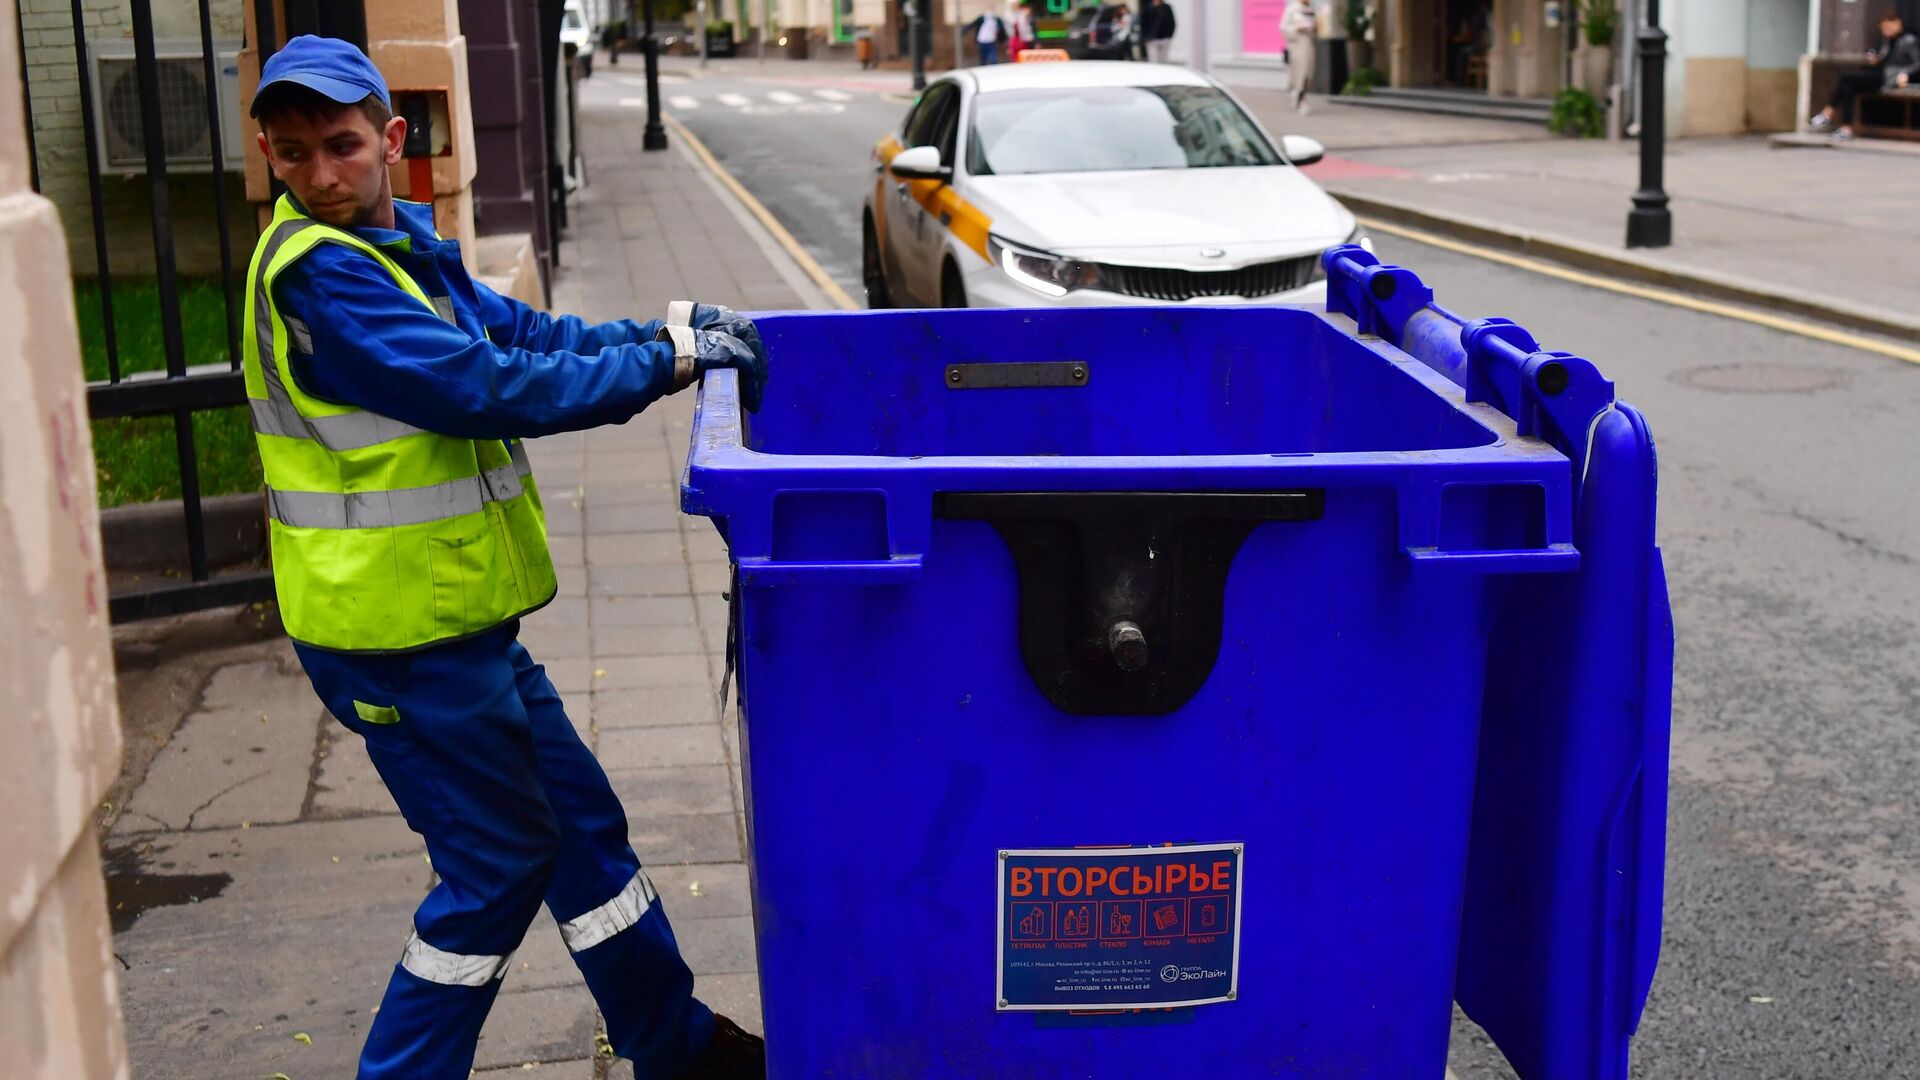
(335, 69)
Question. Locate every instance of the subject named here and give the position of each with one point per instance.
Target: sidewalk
(261, 879)
(1824, 233)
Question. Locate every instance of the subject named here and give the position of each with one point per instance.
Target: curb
(815, 288)
(1589, 257)
(153, 535)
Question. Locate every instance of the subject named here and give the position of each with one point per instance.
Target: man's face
(1890, 27)
(335, 163)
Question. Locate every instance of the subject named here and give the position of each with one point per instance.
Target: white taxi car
(1092, 183)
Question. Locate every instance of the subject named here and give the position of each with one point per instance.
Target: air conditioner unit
(183, 106)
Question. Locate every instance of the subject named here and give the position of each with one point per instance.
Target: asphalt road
(1791, 532)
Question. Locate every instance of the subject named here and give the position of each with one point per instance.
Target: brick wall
(53, 81)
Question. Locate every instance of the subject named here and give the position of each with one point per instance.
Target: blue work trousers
(474, 743)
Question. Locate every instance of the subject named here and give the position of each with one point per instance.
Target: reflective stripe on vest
(276, 414)
(387, 509)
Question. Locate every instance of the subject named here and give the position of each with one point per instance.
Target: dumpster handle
(899, 570)
(1552, 559)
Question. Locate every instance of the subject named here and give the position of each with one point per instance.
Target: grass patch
(135, 457)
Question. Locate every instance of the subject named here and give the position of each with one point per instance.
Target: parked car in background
(577, 32)
(1092, 183)
(1094, 34)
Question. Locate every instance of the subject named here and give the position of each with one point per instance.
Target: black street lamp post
(917, 47)
(655, 136)
(1650, 223)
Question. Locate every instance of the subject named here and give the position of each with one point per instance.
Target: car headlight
(1048, 275)
(1359, 236)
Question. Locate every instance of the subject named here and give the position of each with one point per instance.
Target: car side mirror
(1301, 150)
(919, 163)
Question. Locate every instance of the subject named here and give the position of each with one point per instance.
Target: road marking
(737, 101)
(1843, 338)
(782, 97)
(684, 101)
(807, 262)
(833, 95)
(633, 103)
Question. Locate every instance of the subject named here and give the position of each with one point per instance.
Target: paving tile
(567, 550)
(711, 578)
(542, 961)
(537, 1025)
(605, 490)
(283, 939)
(650, 516)
(246, 757)
(613, 549)
(559, 612)
(639, 579)
(347, 783)
(572, 580)
(660, 706)
(665, 792)
(660, 747)
(735, 996)
(558, 641)
(569, 675)
(722, 946)
(643, 611)
(702, 891)
(613, 641)
(685, 838)
(650, 672)
(577, 1069)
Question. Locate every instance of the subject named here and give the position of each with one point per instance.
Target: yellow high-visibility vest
(385, 537)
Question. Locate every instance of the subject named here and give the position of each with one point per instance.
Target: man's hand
(1900, 79)
(717, 349)
(728, 321)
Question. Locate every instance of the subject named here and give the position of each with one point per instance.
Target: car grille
(1260, 279)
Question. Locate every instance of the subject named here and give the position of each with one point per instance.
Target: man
(986, 34)
(1157, 30)
(1896, 64)
(388, 389)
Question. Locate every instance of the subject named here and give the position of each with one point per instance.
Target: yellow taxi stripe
(967, 222)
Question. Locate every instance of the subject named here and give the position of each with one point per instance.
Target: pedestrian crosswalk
(762, 102)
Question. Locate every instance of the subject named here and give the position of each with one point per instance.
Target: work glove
(728, 321)
(714, 349)
(708, 336)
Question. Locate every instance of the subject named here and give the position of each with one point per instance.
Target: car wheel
(953, 294)
(873, 274)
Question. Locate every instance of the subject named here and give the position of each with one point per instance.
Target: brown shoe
(734, 1054)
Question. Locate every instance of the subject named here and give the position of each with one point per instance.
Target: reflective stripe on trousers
(450, 968)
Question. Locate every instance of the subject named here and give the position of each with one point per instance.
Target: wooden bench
(1889, 114)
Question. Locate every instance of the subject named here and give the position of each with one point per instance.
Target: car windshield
(1109, 128)
(572, 19)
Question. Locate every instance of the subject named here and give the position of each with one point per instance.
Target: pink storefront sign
(1260, 26)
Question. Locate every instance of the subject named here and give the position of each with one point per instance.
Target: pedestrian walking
(1123, 40)
(388, 391)
(987, 31)
(1896, 65)
(1020, 32)
(1299, 28)
(1157, 25)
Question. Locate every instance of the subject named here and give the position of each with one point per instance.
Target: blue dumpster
(1193, 692)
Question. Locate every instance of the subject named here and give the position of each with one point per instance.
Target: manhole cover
(1760, 378)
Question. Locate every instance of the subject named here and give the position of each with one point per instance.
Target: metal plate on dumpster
(1106, 928)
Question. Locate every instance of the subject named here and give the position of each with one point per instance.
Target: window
(1109, 128)
(924, 124)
